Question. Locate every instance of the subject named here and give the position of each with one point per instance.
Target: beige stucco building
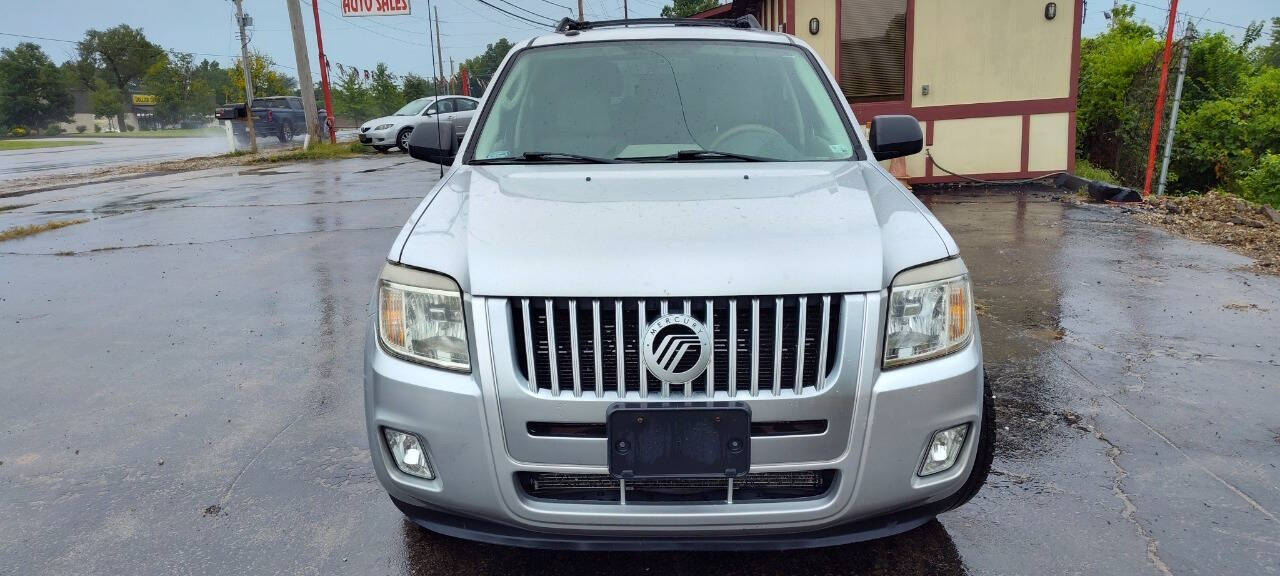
(993, 82)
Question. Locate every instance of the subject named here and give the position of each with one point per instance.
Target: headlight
(382, 126)
(420, 318)
(928, 318)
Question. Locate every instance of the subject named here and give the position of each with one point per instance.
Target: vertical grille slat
(595, 341)
(733, 348)
(620, 346)
(574, 351)
(766, 346)
(550, 311)
(755, 347)
(777, 346)
(821, 372)
(644, 373)
(803, 313)
(530, 371)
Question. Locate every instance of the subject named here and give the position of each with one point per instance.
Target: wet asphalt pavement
(105, 153)
(181, 384)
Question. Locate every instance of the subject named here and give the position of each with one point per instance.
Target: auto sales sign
(375, 7)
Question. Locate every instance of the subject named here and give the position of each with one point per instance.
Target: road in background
(182, 379)
(113, 152)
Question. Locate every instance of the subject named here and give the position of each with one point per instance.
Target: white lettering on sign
(375, 7)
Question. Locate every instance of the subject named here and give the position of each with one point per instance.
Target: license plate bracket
(678, 439)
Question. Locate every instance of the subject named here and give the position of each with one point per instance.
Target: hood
(384, 120)
(670, 230)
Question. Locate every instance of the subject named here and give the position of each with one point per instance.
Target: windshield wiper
(695, 155)
(549, 157)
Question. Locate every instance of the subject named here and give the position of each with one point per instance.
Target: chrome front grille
(761, 345)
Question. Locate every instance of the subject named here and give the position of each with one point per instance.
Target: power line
(526, 10)
(503, 23)
(516, 16)
(1166, 9)
(554, 4)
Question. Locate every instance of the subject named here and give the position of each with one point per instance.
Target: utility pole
(304, 71)
(439, 55)
(451, 90)
(324, 75)
(245, 64)
(624, 10)
(579, 10)
(1164, 84)
(1177, 101)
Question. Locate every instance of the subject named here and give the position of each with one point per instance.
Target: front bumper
(476, 495)
(378, 137)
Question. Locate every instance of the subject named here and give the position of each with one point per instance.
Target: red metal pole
(324, 75)
(1164, 81)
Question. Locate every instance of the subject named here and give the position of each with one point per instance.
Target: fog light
(944, 449)
(410, 456)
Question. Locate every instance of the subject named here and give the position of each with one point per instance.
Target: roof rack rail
(747, 22)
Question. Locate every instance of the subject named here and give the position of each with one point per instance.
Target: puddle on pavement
(1011, 242)
(263, 172)
(134, 204)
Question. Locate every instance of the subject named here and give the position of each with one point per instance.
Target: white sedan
(393, 131)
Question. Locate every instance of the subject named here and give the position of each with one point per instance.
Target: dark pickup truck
(279, 116)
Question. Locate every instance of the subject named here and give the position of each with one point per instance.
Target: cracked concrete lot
(181, 379)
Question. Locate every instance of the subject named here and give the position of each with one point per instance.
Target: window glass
(873, 49)
(446, 105)
(295, 103)
(465, 105)
(647, 100)
(413, 108)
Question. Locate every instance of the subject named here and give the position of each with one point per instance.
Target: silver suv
(666, 298)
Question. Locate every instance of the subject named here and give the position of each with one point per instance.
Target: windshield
(413, 108)
(662, 101)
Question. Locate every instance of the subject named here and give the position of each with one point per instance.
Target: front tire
(402, 139)
(286, 132)
(986, 450)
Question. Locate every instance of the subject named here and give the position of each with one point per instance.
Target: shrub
(97, 128)
(81, 128)
(1088, 171)
(1262, 184)
(53, 130)
(18, 131)
(129, 128)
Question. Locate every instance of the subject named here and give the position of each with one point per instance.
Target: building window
(873, 49)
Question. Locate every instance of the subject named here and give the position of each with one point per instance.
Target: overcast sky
(207, 27)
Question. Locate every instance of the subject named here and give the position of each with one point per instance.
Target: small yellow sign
(145, 100)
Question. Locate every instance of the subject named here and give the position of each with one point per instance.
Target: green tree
(351, 98)
(266, 81)
(33, 92)
(1109, 64)
(1216, 68)
(1269, 55)
(1221, 141)
(183, 94)
(414, 86)
(121, 55)
(106, 101)
(387, 97)
(480, 68)
(687, 8)
(215, 77)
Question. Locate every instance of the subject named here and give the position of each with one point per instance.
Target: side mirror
(432, 142)
(895, 135)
